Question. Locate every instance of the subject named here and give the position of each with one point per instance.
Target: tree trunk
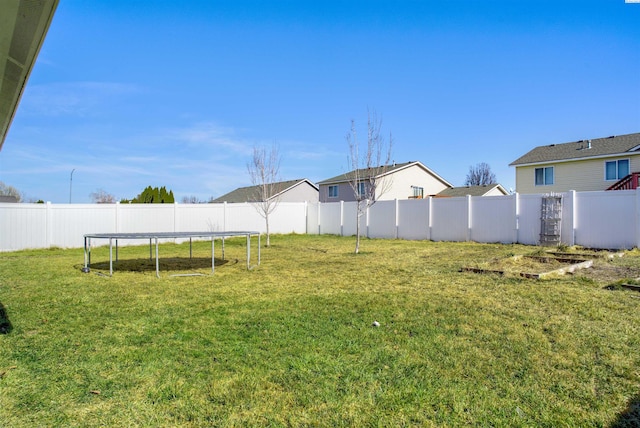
(268, 234)
(358, 215)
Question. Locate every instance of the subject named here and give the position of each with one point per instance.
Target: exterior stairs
(630, 182)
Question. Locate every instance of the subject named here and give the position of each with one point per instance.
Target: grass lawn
(291, 343)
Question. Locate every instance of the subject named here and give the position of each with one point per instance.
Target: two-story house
(596, 164)
(409, 180)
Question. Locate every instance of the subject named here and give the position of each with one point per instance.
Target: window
(333, 191)
(616, 170)
(418, 192)
(544, 176)
(361, 189)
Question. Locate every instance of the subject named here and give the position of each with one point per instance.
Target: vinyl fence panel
(349, 220)
(382, 220)
(200, 217)
(288, 217)
(70, 222)
(449, 219)
(493, 219)
(313, 218)
(607, 219)
(330, 218)
(23, 226)
(413, 218)
(529, 214)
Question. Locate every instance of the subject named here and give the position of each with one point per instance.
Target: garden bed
(533, 266)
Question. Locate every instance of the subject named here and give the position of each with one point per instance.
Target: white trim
(572, 159)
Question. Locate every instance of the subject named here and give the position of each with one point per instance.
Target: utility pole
(71, 184)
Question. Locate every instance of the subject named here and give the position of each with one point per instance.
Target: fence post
(516, 215)
(637, 225)
(48, 226)
(224, 215)
(429, 217)
(175, 218)
(397, 218)
(469, 220)
(574, 217)
(341, 218)
(117, 216)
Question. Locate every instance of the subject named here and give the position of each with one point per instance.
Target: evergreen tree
(153, 195)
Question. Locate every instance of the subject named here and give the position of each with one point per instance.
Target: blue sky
(177, 93)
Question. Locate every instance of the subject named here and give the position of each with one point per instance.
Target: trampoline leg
(157, 261)
(85, 253)
(258, 249)
(213, 260)
(110, 257)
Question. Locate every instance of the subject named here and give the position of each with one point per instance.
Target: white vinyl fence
(49, 225)
(608, 220)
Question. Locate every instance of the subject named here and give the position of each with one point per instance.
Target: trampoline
(151, 236)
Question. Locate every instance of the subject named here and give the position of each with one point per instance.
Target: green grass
(291, 343)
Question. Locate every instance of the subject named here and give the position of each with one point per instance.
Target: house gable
(288, 191)
(404, 180)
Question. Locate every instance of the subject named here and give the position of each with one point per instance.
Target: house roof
(248, 194)
(453, 192)
(365, 173)
(583, 149)
(23, 26)
(7, 198)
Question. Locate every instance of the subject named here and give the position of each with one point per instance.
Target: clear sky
(177, 93)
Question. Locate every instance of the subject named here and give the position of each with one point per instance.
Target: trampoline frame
(151, 236)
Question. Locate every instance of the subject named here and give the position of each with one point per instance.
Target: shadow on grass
(166, 264)
(630, 417)
(5, 324)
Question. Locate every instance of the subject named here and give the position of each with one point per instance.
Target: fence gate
(551, 220)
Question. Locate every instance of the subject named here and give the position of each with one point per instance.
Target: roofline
(302, 180)
(614, 155)
(408, 164)
(31, 63)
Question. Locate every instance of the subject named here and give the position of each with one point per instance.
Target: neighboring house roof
(583, 149)
(7, 198)
(365, 173)
(471, 190)
(248, 194)
(23, 26)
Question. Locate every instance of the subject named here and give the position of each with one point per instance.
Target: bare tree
(368, 178)
(101, 196)
(7, 190)
(191, 199)
(264, 170)
(480, 175)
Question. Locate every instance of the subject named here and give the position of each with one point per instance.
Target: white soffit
(23, 27)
